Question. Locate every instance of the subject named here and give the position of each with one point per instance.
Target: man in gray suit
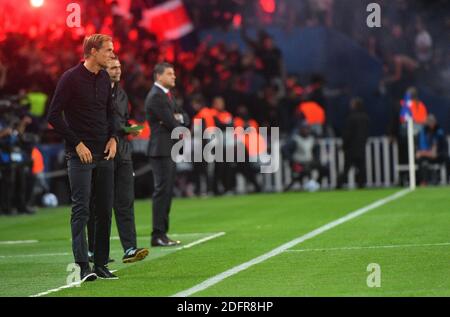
(163, 116)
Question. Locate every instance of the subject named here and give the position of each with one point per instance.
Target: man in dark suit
(164, 116)
(123, 175)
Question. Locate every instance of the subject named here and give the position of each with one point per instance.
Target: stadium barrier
(382, 167)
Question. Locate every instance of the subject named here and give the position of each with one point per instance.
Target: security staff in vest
(123, 176)
(163, 116)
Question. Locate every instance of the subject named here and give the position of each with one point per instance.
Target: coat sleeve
(59, 103)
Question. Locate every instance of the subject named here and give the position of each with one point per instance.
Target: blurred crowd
(253, 85)
(409, 44)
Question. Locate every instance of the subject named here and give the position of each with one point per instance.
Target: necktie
(169, 94)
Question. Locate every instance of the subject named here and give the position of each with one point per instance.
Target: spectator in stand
(203, 119)
(323, 11)
(254, 145)
(222, 176)
(269, 56)
(423, 43)
(15, 164)
(289, 103)
(242, 76)
(414, 107)
(268, 107)
(431, 149)
(301, 152)
(314, 115)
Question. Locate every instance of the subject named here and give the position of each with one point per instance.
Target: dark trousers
(354, 161)
(301, 170)
(96, 178)
(201, 170)
(425, 172)
(123, 206)
(224, 176)
(249, 172)
(164, 170)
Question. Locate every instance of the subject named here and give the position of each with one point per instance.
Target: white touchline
(393, 246)
(292, 250)
(220, 277)
(213, 236)
(19, 242)
(56, 289)
(192, 234)
(61, 288)
(190, 245)
(187, 246)
(195, 234)
(43, 255)
(33, 255)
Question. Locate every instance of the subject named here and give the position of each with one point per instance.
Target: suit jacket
(160, 112)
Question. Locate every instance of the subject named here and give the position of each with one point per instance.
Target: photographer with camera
(15, 158)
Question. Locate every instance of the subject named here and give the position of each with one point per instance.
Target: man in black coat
(123, 175)
(355, 135)
(82, 112)
(163, 116)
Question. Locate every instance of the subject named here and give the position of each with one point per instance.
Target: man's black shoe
(103, 273)
(86, 274)
(135, 255)
(164, 242)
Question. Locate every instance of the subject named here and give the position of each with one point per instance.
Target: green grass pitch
(408, 238)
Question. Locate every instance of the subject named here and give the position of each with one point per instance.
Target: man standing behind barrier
(355, 136)
(164, 116)
(123, 175)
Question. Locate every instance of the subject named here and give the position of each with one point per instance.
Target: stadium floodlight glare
(37, 3)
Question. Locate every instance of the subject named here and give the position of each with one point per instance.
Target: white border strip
(18, 242)
(393, 246)
(233, 271)
(190, 245)
(56, 289)
(33, 255)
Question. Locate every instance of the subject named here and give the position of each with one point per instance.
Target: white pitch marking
(177, 235)
(56, 289)
(18, 242)
(374, 247)
(43, 254)
(190, 245)
(233, 271)
(32, 255)
(61, 288)
(77, 283)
